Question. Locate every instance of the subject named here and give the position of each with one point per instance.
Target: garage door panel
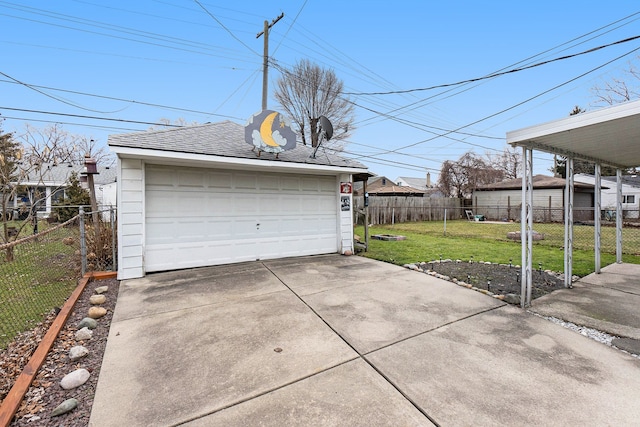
(245, 181)
(269, 182)
(291, 183)
(197, 217)
(191, 179)
(158, 177)
(245, 204)
(219, 204)
(221, 180)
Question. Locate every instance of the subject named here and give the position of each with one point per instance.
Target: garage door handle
(258, 226)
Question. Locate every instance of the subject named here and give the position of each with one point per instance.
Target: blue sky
(175, 59)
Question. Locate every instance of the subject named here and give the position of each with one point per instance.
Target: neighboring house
(421, 184)
(503, 200)
(630, 193)
(383, 186)
(200, 195)
(46, 183)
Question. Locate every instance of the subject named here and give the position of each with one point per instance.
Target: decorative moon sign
(269, 131)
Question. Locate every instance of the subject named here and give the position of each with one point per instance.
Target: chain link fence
(503, 223)
(39, 270)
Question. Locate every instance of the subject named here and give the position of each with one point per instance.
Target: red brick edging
(12, 402)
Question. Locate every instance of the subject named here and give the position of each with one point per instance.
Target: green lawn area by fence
(42, 276)
(426, 241)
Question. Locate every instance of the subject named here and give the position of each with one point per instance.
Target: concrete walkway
(608, 302)
(335, 341)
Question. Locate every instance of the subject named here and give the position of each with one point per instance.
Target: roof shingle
(224, 139)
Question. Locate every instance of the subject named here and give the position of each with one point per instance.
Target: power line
(225, 28)
(68, 123)
(90, 117)
(64, 101)
(491, 76)
(515, 105)
(112, 98)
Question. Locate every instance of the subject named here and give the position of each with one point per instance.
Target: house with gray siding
(630, 194)
(502, 201)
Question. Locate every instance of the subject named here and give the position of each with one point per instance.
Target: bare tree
(460, 178)
(10, 177)
(55, 145)
(619, 89)
(307, 92)
(165, 123)
(509, 162)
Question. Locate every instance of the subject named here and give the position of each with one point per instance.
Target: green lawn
(41, 277)
(426, 241)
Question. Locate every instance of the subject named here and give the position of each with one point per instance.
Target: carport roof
(223, 139)
(608, 136)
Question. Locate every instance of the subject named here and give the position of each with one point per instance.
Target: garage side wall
(346, 218)
(130, 218)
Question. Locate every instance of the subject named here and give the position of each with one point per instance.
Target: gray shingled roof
(632, 180)
(539, 181)
(224, 139)
(419, 183)
(58, 174)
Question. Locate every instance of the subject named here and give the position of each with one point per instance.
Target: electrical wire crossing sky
(429, 81)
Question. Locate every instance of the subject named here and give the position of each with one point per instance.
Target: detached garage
(199, 196)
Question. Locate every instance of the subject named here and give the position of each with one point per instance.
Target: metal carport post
(526, 227)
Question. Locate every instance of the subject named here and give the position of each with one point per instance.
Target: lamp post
(90, 169)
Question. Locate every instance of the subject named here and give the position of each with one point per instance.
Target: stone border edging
(12, 402)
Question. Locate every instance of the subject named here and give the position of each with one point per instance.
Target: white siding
(494, 205)
(346, 219)
(130, 218)
(609, 195)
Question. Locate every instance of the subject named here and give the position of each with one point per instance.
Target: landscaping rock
(84, 334)
(75, 379)
(101, 289)
(64, 407)
(88, 322)
(512, 299)
(515, 235)
(77, 352)
(97, 312)
(97, 299)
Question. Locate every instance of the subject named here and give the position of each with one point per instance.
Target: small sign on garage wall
(345, 188)
(345, 203)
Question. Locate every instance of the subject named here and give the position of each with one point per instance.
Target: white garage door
(197, 217)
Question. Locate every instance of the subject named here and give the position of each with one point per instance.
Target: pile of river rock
(86, 326)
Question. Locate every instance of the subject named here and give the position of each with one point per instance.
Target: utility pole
(265, 63)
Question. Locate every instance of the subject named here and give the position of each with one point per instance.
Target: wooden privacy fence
(396, 209)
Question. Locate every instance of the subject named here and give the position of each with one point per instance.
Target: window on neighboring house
(57, 195)
(631, 199)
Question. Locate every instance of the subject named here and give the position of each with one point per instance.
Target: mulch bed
(497, 278)
(45, 392)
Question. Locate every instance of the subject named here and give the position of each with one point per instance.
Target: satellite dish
(326, 127)
(325, 133)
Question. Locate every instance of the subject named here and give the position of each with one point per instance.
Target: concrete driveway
(346, 341)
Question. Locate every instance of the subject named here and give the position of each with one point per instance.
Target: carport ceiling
(608, 136)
